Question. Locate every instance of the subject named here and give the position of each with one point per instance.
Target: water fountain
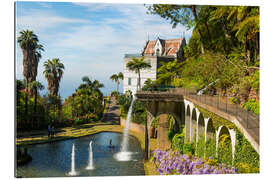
(73, 172)
(90, 161)
(124, 155)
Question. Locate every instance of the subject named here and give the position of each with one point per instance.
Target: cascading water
(73, 172)
(124, 155)
(90, 163)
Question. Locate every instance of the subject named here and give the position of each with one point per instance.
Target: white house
(154, 52)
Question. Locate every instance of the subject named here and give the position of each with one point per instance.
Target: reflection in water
(54, 159)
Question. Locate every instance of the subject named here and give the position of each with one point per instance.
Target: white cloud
(38, 20)
(96, 50)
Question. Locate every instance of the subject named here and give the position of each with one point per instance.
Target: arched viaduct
(185, 114)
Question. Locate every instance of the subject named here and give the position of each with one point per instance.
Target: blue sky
(89, 38)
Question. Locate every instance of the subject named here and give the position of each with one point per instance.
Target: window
(157, 52)
(129, 81)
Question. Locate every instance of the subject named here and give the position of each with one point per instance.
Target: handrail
(247, 118)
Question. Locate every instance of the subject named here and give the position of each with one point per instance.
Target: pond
(55, 159)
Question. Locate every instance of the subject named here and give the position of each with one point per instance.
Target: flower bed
(175, 163)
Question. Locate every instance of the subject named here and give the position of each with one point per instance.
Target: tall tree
(35, 60)
(93, 86)
(36, 86)
(186, 15)
(168, 71)
(28, 42)
(53, 72)
(116, 78)
(137, 64)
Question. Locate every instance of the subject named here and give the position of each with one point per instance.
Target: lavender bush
(169, 162)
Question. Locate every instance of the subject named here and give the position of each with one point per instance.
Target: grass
(71, 132)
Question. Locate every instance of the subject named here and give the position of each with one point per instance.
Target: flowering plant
(169, 163)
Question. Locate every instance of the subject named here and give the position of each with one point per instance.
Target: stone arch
(210, 141)
(223, 130)
(163, 129)
(200, 126)
(193, 125)
(209, 129)
(187, 122)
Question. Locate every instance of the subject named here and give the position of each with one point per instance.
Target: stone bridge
(182, 108)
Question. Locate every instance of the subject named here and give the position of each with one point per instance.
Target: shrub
(200, 147)
(235, 100)
(139, 113)
(247, 160)
(188, 148)
(210, 148)
(178, 142)
(168, 162)
(252, 105)
(225, 149)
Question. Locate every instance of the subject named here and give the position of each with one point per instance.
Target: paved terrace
(246, 121)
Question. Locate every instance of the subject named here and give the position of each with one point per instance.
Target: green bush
(78, 121)
(189, 148)
(139, 115)
(235, 100)
(124, 101)
(247, 160)
(255, 81)
(210, 147)
(178, 141)
(253, 106)
(200, 147)
(225, 149)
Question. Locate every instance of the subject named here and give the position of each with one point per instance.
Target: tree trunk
(139, 80)
(35, 107)
(59, 111)
(117, 82)
(26, 102)
(208, 31)
(193, 9)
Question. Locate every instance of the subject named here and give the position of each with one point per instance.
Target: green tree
(36, 86)
(116, 78)
(186, 15)
(93, 86)
(86, 102)
(53, 71)
(137, 64)
(28, 42)
(168, 71)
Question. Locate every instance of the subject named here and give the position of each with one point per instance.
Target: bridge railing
(246, 118)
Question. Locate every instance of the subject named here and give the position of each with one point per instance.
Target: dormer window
(157, 52)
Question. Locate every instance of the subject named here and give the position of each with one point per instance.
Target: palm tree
(116, 77)
(53, 72)
(35, 61)
(88, 97)
(136, 64)
(35, 86)
(92, 86)
(28, 43)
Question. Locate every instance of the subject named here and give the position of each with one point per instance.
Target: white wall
(145, 74)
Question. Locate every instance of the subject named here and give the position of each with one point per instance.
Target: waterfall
(90, 161)
(73, 172)
(124, 155)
